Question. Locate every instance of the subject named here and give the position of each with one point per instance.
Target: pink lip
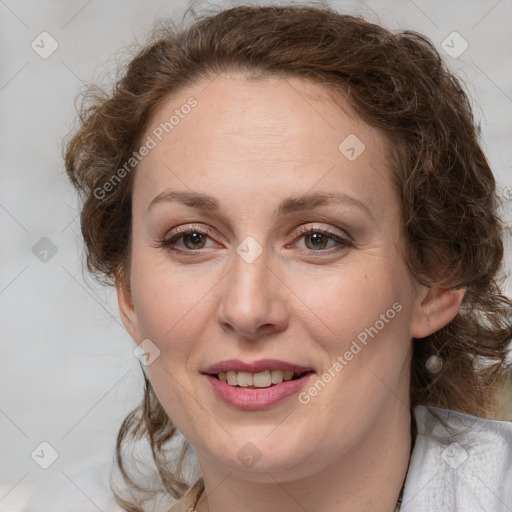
(254, 367)
(256, 398)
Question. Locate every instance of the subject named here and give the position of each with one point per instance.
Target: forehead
(261, 135)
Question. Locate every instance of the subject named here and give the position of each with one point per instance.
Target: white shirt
(465, 466)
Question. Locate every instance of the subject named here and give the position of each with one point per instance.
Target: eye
(193, 239)
(316, 240)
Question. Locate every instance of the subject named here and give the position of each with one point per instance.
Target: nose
(252, 303)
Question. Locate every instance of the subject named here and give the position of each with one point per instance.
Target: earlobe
(126, 307)
(436, 308)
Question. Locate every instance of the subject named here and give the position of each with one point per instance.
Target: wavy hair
(396, 82)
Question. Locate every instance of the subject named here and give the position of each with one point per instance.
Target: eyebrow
(288, 206)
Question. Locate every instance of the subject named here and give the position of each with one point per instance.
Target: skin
(250, 144)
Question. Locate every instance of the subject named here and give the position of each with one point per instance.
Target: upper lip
(255, 366)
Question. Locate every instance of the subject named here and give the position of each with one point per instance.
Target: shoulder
(459, 462)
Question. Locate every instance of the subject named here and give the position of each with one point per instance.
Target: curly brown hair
(397, 83)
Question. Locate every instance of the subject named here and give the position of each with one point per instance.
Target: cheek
(364, 330)
(351, 300)
(167, 299)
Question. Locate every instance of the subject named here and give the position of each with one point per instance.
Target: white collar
(465, 466)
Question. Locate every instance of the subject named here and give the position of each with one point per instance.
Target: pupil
(195, 238)
(316, 239)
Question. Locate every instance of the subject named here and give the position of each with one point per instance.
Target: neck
(369, 478)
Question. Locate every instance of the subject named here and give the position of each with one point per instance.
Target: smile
(262, 379)
(257, 385)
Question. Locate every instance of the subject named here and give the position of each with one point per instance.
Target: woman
(301, 226)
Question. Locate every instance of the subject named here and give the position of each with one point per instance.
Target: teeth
(245, 379)
(259, 380)
(277, 376)
(262, 379)
(288, 375)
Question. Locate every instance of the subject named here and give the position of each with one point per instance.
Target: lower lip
(259, 398)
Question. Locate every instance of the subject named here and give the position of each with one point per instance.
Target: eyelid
(302, 229)
(191, 227)
(315, 226)
(166, 240)
(341, 238)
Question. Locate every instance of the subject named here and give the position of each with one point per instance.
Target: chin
(255, 456)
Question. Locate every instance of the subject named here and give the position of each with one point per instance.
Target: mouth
(263, 373)
(258, 385)
(263, 379)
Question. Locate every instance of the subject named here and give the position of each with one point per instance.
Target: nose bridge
(251, 298)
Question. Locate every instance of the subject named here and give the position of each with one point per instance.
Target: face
(289, 269)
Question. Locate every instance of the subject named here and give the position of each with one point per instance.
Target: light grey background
(67, 372)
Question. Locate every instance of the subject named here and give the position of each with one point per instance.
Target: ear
(126, 307)
(436, 307)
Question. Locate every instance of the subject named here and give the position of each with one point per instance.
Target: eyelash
(166, 243)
